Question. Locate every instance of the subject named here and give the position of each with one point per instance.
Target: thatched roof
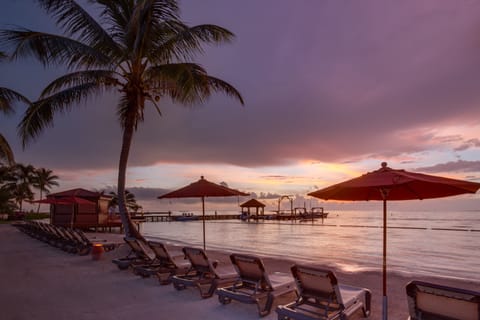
(252, 203)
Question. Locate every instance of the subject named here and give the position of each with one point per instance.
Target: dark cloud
(327, 81)
(453, 166)
(471, 143)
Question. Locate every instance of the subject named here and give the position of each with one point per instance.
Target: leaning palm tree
(7, 99)
(44, 180)
(139, 49)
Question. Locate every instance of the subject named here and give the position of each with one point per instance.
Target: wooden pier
(166, 216)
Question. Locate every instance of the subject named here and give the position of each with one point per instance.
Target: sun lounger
(139, 255)
(255, 285)
(204, 274)
(321, 297)
(168, 263)
(430, 301)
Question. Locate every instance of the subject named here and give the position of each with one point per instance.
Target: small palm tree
(139, 49)
(130, 201)
(24, 176)
(44, 180)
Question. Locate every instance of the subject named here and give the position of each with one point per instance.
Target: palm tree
(44, 180)
(19, 182)
(130, 201)
(139, 49)
(7, 98)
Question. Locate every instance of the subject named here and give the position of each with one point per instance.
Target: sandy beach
(42, 282)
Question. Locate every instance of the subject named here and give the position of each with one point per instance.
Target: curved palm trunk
(129, 227)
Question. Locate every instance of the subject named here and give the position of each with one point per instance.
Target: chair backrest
(139, 248)
(251, 269)
(198, 259)
(161, 252)
(433, 301)
(317, 283)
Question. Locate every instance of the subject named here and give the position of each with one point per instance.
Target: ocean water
(444, 244)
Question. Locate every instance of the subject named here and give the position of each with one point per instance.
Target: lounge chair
(432, 301)
(204, 274)
(255, 285)
(168, 263)
(321, 297)
(139, 255)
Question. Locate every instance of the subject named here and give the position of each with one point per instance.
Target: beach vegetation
(130, 201)
(17, 183)
(44, 180)
(139, 50)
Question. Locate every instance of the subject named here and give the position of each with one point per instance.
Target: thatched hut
(253, 203)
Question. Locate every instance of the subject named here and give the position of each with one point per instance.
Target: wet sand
(43, 282)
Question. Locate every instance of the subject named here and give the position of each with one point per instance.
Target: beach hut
(253, 203)
(80, 208)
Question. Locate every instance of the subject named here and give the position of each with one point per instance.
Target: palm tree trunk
(129, 228)
(38, 208)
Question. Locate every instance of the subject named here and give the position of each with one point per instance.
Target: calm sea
(445, 244)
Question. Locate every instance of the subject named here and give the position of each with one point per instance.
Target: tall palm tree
(7, 98)
(139, 49)
(44, 180)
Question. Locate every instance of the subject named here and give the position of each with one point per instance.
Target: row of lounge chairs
(318, 292)
(69, 240)
(247, 280)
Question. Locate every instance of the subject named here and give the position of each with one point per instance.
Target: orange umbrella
(202, 189)
(390, 184)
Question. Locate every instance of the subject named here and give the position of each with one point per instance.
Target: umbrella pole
(385, 299)
(203, 213)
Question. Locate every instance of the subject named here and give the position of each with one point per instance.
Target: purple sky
(332, 88)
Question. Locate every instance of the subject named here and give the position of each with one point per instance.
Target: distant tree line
(17, 182)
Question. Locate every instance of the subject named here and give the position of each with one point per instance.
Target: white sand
(42, 282)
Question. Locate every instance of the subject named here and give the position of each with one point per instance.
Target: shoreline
(42, 282)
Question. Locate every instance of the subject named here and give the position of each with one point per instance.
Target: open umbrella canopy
(202, 189)
(389, 184)
(400, 185)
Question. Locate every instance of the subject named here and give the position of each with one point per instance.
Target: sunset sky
(331, 89)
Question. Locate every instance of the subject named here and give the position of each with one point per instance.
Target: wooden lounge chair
(168, 263)
(254, 285)
(321, 297)
(204, 274)
(430, 301)
(139, 255)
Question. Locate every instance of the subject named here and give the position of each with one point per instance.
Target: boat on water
(186, 216)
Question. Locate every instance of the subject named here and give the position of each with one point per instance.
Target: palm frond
(187, 83)
(8, 97)
(103, 78)
(184, 42)
(130, 109)
(51, 49)
(41, 112)
(72, 18)
(5, 151)
(218, 85)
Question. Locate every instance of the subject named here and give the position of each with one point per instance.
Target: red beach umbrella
(387, 184)
(202, 189)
